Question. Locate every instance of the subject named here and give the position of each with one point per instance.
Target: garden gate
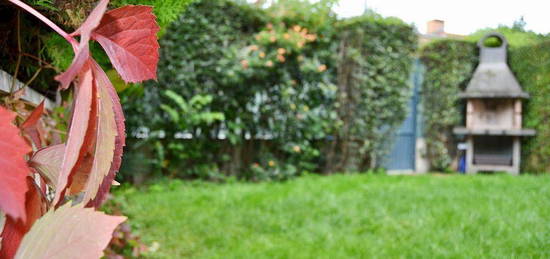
(402, 155)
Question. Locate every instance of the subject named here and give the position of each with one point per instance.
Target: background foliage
(531, 64)
(273, 74)
(375, 56)
(449, 67)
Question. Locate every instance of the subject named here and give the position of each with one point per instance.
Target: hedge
(531, 65)
(449, 67)
(375, 57)
(272, 80)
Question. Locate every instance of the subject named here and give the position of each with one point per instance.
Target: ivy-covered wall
(375, 57)
(531, 65)
(449, 67)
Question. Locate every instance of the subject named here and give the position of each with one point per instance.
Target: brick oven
(493, 98)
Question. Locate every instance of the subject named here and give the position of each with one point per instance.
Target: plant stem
(18, 62)
(47, 21)
(34, 76)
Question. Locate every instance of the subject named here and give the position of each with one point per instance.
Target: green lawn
(348, 216)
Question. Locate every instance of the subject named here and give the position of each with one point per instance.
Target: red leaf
(83, 50)
(129, 36)
(14, 230)
(13, 167)
(47, 162)
(69, 232)
(79, 175)
(77, 132)
(103, 82)
(34, 117)
(105, 141)
(29, 126)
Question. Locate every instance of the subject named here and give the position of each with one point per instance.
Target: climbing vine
(449, 66)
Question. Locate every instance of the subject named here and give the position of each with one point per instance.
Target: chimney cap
(435, 27)
(493, 78)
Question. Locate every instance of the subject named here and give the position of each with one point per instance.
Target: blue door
(403, 152)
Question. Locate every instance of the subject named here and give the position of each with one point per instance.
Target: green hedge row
(531, 65)
(375, 57)
(263, 92)
(449, 67)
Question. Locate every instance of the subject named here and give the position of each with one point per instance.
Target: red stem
(47, 21)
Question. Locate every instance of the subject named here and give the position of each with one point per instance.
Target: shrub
(273, 76)
(531, 65)
(449, 66)
(273, 91)
(375, 57)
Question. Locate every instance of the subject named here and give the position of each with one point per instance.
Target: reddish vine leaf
(129, 36)
(105, 141)
(32, 120)
(14, 230)
(81, 171)
(47, 162)
(13, 167)
(83, 50)
(69, 232)
(30, 125)
(77, 132)
(120, 141)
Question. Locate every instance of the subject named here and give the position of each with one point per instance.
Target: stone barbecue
(494, 97)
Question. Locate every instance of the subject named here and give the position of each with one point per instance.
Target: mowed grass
(348, 216)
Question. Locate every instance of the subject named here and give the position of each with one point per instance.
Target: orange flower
(271, 163)
(296, 149)
(244, 63)
(322, 68)
(269, 63)
(281, 51)
(286, 36)
(272, 38)
(311, 37)
(254, 47)
(262, 54)
(297, 28)
(281, 58)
